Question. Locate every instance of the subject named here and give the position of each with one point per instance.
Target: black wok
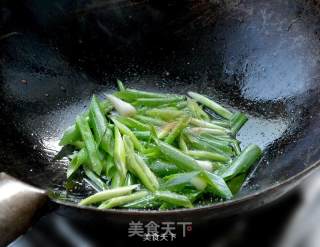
(260, 57)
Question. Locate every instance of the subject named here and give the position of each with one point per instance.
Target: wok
(259, 57)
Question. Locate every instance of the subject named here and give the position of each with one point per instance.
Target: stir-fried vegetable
(157, 150)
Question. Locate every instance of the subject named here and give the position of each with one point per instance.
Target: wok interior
(259, 57)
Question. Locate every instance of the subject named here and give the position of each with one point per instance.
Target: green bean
(117, 180)
(205, 155)
(222, 123)
(152, 178)
(166, 114)
(182, 104)
(132, 94)
(102, 134)
(210, 145)
(150, 120)
(138, 168)
(196, 110)
(181, 160)
(95, 179)
(157, 101)
(217, 108)
(205, 124)
(148, 201)
(119, 154)
(129, 180)
(237, 121)
(120, 85)
(126, 131)
(216, 184)
(182, 144)
(215, 132)
(235, 183)
(236, 148)
(133, 123)
(152, 153)
(142, 135)
(78, 159)
(91, 146)
(78, 144)
(178, 128)
(179, 181)
(162, 168)
(122, 200)
(165, 130)
(243, 162)
(72, 134)
(108, 194)
(174, 198)
(110, 167)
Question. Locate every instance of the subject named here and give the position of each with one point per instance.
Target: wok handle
(19, 203)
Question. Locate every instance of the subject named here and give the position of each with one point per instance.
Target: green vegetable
(119, 154)
(138, 167)
(162, 168)
(102, 133)
(157, 101)
(157, 151)
(166, 114)
(121, 200)
(95, 179)
(237, 121)
(132, 123)
(205, 155)
(243, 162)
(182, 161)
(108, 194)
(174, 198)
(178, 128)
(126, 131)
(120, 85)
(90, 144)
(77, 160)
(220, 110)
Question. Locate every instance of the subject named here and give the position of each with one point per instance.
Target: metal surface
(260, 57)
(19, 203)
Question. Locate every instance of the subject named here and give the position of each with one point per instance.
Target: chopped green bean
(95, 179)
(157, 101)
(119, 154)
(121, 200)
(133, 123)
(162, 168)
(178, 128)
(174, 198)
(138, 168)
(120, 85)
(166, 114)
(102, 133)
(181, 160)
(220, 110)
(126, 131)
(237, 121)
(108, 194)
(91, 146)
(243, 162)
(78, 159)
(149, 120)
(205, 155)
